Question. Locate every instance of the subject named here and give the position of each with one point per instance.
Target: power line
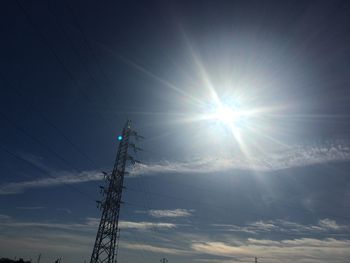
(50, 123)
(85, 39)
(35, 139)
(56, 56)
(75, 50)
(85, 194)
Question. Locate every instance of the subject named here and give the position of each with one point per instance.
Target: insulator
(132, 159)
(134, 147)
(136, 135)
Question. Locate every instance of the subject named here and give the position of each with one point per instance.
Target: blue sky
(273, 183)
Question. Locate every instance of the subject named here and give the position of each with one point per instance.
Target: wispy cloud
(37, 161)
(287, 251)
(92, 221)
(70, 237)
(90, 224)
(77, 237)
(155, 249)
(55, 179)
(244, 250)
(292, 157)
(47, 225)
(30, 207)
(283, 226)
(168, 213)
(4, 217)
(50, 243)
(64, 210)
(330, 224)
(145, 225)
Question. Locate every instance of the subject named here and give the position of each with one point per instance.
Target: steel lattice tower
(105, 248)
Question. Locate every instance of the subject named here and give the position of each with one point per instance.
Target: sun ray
(201, 69)
(150, 74)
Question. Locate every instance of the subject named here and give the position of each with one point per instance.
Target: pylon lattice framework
(105, 248)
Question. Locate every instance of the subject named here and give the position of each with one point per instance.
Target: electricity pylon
(105, 248)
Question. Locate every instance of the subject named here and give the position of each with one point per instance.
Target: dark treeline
(7, 260)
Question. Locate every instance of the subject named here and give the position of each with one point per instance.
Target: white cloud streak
(4, 217)
(286, 251)
(300, 156)
(170, 213)
(330, 224)
(324, 226)
(152, 248)
(78, 238)
(90, 224)
(145, 225)
(30, 207)
(273, 161)
(54, 180)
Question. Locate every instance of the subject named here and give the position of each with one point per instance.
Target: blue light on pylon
(120, 138)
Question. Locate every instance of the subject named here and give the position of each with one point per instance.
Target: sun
(228, 116)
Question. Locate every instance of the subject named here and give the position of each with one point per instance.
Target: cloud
(4, 217)
(69, 238)
(263, 226)
(251, 228)
(292, 157)
(54, 180)
(329, 224)
(324, 226)
(286, 251)
(89, 224)
(50, 237)
(219, 248)
(144, 225)
(78, 237)
(30, 207)
(298, 156)
(49, 243)
(64, 210)
(38, 224)
(47, 225)
(170, 213)
(92, 221)
(152, 248)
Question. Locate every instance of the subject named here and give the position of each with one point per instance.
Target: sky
(244, 106)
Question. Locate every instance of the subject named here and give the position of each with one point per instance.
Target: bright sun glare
(231, 117)
(225, 115)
